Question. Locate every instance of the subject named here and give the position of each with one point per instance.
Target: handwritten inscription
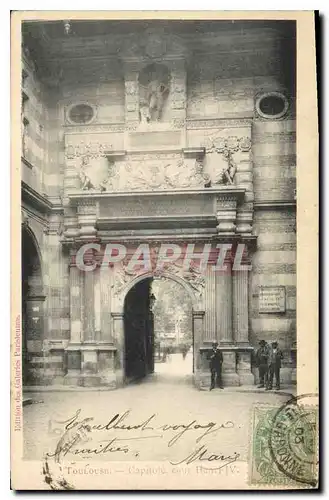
(84, 438)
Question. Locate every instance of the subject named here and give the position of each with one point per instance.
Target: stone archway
(32, 306)
(118, 315)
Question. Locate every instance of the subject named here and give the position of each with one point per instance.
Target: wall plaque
(272, 299)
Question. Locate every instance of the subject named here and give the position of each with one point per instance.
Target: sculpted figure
(85, 181)
(230, 171)
(151, 105)
(144, 112)
(226, 175)
(156, 93)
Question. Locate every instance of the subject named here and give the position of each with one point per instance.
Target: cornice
(274, 205)
(36, 199)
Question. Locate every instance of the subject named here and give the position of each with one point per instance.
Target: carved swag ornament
(192, 275)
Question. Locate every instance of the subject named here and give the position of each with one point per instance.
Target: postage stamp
(284, 445)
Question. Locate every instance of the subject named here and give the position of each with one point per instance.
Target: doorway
(139, 332)
(158, 331)
(32, 305)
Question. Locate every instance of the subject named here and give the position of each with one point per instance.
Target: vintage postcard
(164, 251)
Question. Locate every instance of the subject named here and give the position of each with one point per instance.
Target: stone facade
(173, 150)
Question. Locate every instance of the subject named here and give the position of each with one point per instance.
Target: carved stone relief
(220, 163)
(157, 174)
(83, 149)
(192, 275)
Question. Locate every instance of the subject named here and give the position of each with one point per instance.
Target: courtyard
(162, 418)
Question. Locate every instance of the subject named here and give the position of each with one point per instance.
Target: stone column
(224, 323)
(244, 179)
(198, 324)
(240, 308)
(88, 300)
(226, 208)
(229, 368)
(106, 303)
(75, 301)
(71, 179)
(210, 328)
(131, 70)
(97, 304)
(119, 341)
(73, 353)
(87, 220)
(246, 377)
(178, 90)
(224, 304)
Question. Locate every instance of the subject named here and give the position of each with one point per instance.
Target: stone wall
(34, 126)
(274, 263)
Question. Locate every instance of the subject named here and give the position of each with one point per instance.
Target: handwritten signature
(202, 454)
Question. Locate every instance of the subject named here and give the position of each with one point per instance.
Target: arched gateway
(32, 307)
(134, 324)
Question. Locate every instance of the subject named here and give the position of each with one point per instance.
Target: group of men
(268, 360)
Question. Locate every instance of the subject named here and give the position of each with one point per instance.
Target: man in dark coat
(274, 365)
(262, 363)
(216, 361)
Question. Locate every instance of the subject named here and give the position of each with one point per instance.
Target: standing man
(262, 363)
(216, 361)
(274, 365)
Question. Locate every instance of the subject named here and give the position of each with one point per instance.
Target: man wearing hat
(274, 365)
(262, 363)
(216, 361)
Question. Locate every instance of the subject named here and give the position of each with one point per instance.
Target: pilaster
(246, 377)
(226, 211)
(178, 89)
(131, 72)
(106, 278)
(224, 304)
(229, 369)
(118, 332)
(240, 307)
(75, 300)
(210, 323)
(87, 215)
(88, 299)
(198, 325)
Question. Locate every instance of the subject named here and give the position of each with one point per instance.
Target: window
(272, 105)
(81, 113)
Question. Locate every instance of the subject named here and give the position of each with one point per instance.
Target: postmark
(284, 446)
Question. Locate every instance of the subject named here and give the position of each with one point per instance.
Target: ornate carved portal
(192, 279)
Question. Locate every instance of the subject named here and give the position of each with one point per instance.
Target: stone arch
(31, 257)
(28, 232)
(198, 311)
(197, 302)
(32, 304)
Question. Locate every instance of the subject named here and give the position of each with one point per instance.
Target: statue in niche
(154, 90)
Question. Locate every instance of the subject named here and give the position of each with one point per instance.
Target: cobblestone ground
(164, 400)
